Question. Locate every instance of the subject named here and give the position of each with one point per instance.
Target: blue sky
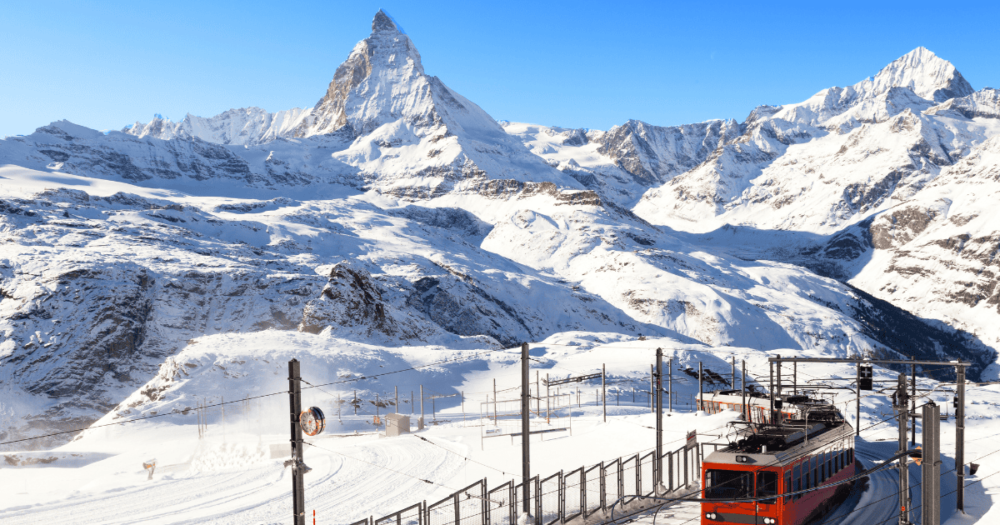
(573, 64)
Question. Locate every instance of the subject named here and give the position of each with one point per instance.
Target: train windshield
(728, 484)
(767, 486)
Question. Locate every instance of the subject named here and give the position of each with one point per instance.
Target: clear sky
(573, 64)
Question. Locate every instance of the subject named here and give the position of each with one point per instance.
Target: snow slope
(235, 473)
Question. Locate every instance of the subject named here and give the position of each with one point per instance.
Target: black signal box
(865, 377)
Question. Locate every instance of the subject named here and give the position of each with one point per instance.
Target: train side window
(767, 486)
(807, 481)
(814, 472)
(796, 480)
(788, 485)
(824, 465)
(829, 463)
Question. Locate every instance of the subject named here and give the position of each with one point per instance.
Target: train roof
(765, 445)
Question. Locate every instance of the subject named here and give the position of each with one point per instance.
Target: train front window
(767, 486)
(728, 484)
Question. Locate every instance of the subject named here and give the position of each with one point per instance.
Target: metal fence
(584, 495)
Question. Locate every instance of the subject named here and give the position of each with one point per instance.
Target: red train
(765, 459)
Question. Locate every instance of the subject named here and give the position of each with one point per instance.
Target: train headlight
(770, 521)
(711, 515)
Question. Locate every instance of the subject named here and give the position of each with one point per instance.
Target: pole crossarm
(577, 379)
(855, 360)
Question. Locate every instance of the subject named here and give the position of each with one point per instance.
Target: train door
(767, 488)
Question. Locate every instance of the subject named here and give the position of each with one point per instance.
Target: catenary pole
(604, 391)
(658, 464)
(701, 391)
(770, 388)
(670, 385)
(857, 402)
(960, 438)
(903, 406)
(930, 487)
(913, 402)
(777, 415)
(298, 467)
(525, 432)
(743, 383)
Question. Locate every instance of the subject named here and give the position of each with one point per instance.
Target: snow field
(231, 476)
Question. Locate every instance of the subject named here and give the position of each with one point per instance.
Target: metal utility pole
(411, 402)
(355, 402)
(857, 403)
(960, 438)
(670, 385)
(770, 388)
(658, 463)
(538, 395)
(743, 383)
(902, 405)
(421, 406)
(395, 390)
(795, 378)
(930, 513)
(494, 401)
(604, 391)
(548, 404)
(298, 467)
(525, 432)
(732, 375)
(651, 407)
(701, 391)
(778, 402)
(913, 402)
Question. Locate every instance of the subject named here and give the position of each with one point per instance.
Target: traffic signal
(954, 402)
(865, 377)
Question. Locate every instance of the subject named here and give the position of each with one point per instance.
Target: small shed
(396, 424)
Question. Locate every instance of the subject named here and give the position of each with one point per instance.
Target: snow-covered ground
(235, 474)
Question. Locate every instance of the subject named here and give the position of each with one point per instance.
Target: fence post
(458, 512)
(686, 449)
(484, 504)
(538, 500)
(512, 508)
(604, 492)
(561, 493)
(621, 478)
(583, 491)
(670, 471)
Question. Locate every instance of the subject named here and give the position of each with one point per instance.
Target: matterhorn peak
(384, 22)
(923, 72)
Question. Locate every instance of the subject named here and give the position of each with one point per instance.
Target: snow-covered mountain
(398, 213)
(241, 127)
